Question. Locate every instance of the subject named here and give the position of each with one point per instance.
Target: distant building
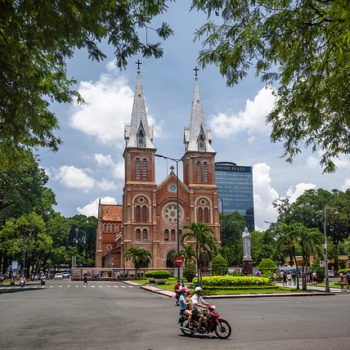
(235, 190)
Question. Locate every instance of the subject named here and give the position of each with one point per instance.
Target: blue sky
(89, 165)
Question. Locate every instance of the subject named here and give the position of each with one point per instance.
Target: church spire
(138, 133)
(197, 137)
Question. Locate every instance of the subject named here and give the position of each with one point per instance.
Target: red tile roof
(111, 212)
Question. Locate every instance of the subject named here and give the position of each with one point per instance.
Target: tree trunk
(296, 264)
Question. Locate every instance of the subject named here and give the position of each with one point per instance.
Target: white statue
(246, 244)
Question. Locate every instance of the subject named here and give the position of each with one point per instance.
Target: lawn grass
(331, 285)
(141, 281)
(235, 291)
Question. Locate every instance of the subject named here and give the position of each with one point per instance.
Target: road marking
(68, 286)
(51, 286)
(116, 286)
(108, 286)
(123, 286)
(76, 286)
(130, 286)
(92, 286)
(60, 286)
(99, 286)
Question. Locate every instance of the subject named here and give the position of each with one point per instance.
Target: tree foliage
(267, 265)
(219, 266)
(300, 46)
(36, 38)
(140, 257)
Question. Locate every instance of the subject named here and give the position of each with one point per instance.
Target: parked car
(65, 275)
(58, 276)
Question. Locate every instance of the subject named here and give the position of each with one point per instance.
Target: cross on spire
(138, 65)
(196, 71)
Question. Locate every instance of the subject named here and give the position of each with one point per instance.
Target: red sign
(179, 260)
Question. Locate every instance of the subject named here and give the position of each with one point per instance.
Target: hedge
(344, 271)
(162, 274)
(267, 265)
(233, 281)
(243, 287)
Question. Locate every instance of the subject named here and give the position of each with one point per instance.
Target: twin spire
(139, 135)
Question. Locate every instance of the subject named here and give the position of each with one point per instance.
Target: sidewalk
(171, 294)
(321, 289)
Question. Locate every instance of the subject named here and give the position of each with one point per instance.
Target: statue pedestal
(247, 268)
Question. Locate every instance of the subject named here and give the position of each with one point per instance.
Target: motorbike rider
(22, 280)
(197, 305)
(177, 290)
(185, 305)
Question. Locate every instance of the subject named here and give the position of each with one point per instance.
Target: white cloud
(312, 162)
(91, 209)
(300, 188)
(73, 177)
(119, 172)
(103, 160)
(346, 185)
(342, 162)
(106, 185)
(107, 108)
(251, 120)
(264, 195)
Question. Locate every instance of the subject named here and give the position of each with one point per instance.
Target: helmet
(184, 289)
(197, 289)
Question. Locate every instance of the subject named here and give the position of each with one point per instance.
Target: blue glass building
(235, 190)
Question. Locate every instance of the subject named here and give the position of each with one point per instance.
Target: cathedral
(147, 217)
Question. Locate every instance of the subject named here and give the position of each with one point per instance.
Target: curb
(171, 294)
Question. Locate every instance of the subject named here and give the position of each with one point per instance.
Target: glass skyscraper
(235, 190)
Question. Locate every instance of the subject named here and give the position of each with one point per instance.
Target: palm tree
(205, 242)
(140, 257)
(187, 253)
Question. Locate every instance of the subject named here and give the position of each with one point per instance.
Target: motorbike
(212, 322)
(22, 282)
(42, 281)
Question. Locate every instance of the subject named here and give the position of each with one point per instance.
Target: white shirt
(196, 299)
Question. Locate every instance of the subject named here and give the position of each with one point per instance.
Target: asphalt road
(65, 315)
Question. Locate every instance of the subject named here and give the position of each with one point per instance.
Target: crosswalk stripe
(51, 286)
(123, 286)
(130, 286)
(100, 286)
(115, 286)
(68, 286)
(108, 286)
(76, 286)
(60, 286)
(92, 286)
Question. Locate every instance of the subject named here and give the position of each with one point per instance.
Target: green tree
(187, 253)
(205, 242)
(267, 265)
(36, 39)
(140, 257)
(231, 227)
(219, 266)
(300, 46)
(262, 245)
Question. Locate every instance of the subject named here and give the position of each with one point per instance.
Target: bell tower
(199, 166)
(139, 194)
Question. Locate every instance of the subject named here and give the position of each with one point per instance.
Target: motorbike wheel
(223, 329)
(184, 323)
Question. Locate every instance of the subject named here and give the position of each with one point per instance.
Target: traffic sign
(179, 260)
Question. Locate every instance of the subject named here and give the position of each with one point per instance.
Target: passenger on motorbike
(177, 290)
(197, 304)
(185, 305)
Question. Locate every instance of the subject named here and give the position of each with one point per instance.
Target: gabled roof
(138, 119)
(166, 180)
(112, 212)
(198, 127)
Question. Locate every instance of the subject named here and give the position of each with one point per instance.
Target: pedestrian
(274, 277)
(284, 278)
(85, 283)
(289, 278)
(348, 278)
(314, 277)
(294, 277)
(342, 281)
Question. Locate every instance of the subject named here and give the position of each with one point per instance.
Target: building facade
(235, 190)
(149, 210)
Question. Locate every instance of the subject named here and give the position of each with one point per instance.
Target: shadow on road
(17, 290)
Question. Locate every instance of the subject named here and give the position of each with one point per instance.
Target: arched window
(138, 213)
(199, 175)
(173, 235)
(141, 138)
(144, 213)
(112, 228)
(138, 234)
(166, 235)
(145, 234)
(137, 169)
(205, 172)
(206, 215)
(200, 215)
(109, 228)
(144, 169)
(105, 228)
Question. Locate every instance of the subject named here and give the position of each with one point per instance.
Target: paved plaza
(106, 315)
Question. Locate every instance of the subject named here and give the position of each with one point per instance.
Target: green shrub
(219, 266)
(189, 271)
(343, 271)
(319, 270)
(160, 274)
(233, 281)
(235, 274)
(267, 265)
(269, 275)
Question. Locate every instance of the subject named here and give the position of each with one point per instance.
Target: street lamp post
(325, 247)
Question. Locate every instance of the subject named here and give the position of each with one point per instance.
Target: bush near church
(189, 271)
(219, 266)
(267, 265)
(232, 282)
(158, 276)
